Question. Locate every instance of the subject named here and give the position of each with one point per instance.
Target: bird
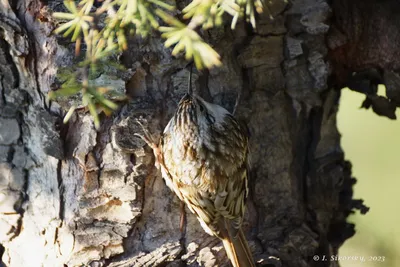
(203, 156)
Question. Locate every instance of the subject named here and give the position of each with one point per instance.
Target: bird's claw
(147, 137)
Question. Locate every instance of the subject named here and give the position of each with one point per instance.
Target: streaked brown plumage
(203, 157)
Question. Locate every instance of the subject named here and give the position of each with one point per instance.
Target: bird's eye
(201, 108)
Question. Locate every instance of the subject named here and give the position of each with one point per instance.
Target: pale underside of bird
(203, 154)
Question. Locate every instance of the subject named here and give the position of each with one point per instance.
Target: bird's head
(194, 111)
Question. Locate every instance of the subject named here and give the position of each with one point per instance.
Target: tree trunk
(73, 196)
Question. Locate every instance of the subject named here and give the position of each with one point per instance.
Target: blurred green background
(372, 144)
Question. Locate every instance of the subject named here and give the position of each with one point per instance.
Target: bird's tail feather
(238, 250)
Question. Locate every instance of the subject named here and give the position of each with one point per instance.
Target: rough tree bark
(72, 196)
